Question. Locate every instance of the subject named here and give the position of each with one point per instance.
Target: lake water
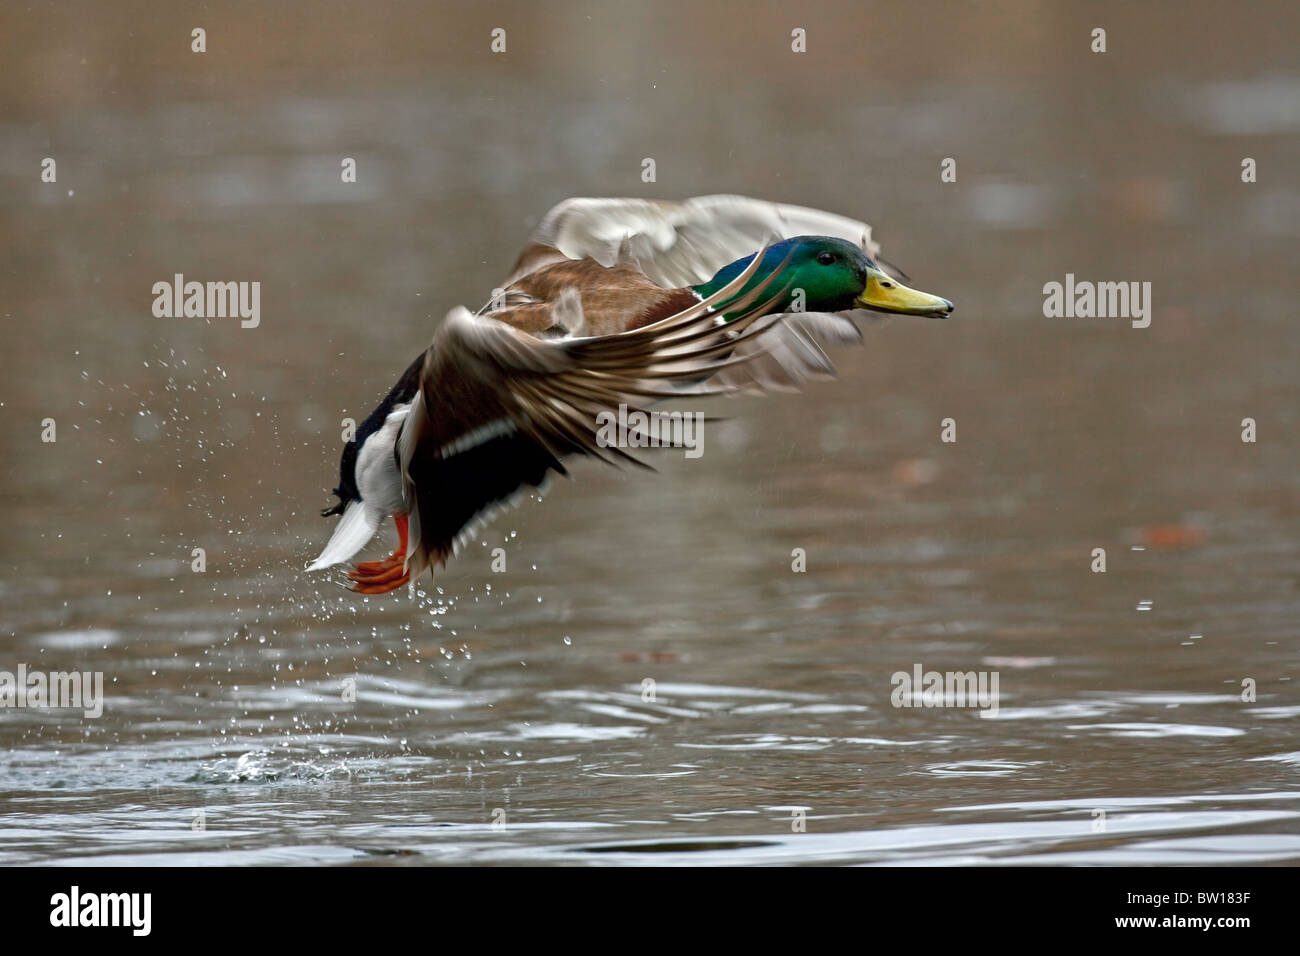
(649, 681)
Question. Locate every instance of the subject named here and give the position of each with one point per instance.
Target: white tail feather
(355, 529)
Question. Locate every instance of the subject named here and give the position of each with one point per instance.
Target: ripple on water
(262, 766)
(1161, 730)
(90, 639)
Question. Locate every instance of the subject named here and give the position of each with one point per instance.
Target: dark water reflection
(1121, 735)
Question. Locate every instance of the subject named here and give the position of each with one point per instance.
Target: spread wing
(676, 243)
(498, 409)
(685, 243)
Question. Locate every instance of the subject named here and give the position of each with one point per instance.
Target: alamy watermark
(638, 429)
(53, 690)
(1098, 300)
(208, 300)
(919, 688)
(130, 910)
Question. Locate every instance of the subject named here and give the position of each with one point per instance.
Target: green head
(834, 276)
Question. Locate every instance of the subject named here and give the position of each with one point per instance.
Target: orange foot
(380, 577)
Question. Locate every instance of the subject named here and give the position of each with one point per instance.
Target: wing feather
(551, 391)
(676, 243)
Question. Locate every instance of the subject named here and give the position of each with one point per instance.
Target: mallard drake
(613, 302)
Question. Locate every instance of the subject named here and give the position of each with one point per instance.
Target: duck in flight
(612, 302)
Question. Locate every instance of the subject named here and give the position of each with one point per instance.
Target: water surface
(507, 718)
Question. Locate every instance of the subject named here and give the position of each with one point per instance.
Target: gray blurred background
(1072, 434)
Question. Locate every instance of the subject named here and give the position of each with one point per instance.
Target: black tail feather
(451, 492)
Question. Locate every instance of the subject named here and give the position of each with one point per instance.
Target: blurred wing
(792, 351)
(509, 406)
(676, 243)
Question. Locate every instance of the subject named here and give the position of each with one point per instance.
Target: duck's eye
(826, 258)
